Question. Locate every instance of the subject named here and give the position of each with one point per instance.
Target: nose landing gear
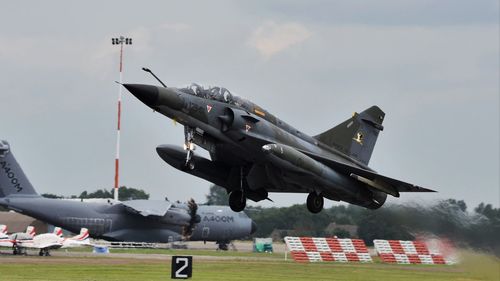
(189, 146)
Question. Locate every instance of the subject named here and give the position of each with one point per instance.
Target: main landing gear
(237, 198)
(44, 252)
(315, 202)
(189, 146)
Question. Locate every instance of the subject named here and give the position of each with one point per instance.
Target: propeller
(187, 230)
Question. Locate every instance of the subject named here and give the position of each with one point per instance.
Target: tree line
(125, 193)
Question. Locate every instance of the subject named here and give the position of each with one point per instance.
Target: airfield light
(119, 41)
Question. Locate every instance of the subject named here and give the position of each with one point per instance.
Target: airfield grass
(473, 267)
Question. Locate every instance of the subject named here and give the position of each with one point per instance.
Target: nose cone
(171, 98)
(146, 93)
(254, 228)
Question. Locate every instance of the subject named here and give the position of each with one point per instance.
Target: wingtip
(423, 189)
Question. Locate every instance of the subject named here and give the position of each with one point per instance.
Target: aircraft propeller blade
(187, 231)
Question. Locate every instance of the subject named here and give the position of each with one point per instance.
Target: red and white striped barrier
(407, 252)
(314, 249)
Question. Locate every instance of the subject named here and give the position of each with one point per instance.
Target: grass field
(228, 266)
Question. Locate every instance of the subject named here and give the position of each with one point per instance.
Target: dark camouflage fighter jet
(153, 221)
(253, 152)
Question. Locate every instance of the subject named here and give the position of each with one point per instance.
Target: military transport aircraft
(253, 152)
(133, 221)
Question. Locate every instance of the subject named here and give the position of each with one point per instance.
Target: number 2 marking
(178, 272)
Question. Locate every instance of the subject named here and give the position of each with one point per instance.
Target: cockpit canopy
(224, 95)
(214, 93)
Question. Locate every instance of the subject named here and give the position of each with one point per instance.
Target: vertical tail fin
(31, 231)
(84, 234)
(3, 228)
(58, 231)
(13, 181)
(357, 135)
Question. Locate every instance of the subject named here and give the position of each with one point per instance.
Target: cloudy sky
(432, 66)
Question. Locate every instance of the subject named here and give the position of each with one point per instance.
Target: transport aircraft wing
(147, 207)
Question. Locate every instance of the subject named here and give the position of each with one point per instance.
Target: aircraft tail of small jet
(357, 135)
(79, 240)
(30, 230)
(3, 228)
(13, 181)
(58, 231)
(84, 234)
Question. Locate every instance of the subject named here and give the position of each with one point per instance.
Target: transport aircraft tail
(13, 181)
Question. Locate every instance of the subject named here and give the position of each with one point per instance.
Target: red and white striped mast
(119, 41)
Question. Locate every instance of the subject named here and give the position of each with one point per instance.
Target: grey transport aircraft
(134, 220)
(253, 152)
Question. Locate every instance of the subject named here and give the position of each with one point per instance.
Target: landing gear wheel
(222, 246)
(315, 203)
(237, 201)
(40, 253)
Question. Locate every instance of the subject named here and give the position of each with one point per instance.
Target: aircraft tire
(237, 201)
(315, 202)
(222, 246)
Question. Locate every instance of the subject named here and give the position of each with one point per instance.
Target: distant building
(16, 222)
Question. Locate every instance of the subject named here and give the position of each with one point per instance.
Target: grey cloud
(390, 12)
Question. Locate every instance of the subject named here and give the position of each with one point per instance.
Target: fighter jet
(133, 221)
(253, 152)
